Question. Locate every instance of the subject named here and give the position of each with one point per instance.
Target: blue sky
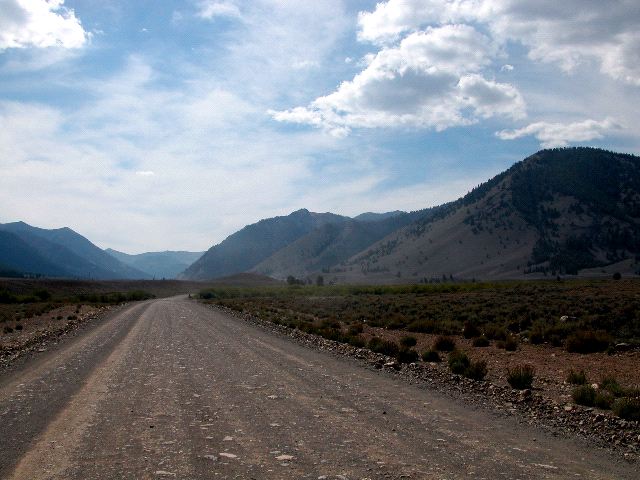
(155, 125)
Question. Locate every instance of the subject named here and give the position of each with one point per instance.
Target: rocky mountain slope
(561, 211)
(168, 264)
(58, 252)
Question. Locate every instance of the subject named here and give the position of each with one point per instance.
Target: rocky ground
(37, 333)
(537, 407)
(552, 364)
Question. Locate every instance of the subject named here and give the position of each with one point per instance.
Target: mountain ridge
(60, 252)
(164, 264)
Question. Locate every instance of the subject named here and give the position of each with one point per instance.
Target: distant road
(172, 389)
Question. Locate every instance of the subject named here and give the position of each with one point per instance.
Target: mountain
(331, 244)
(60, 253)
(374, 217)
(168, 264)
(560, 211)
(246, 248)
(17, 256)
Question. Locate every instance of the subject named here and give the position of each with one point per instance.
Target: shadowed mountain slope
(246, 248)
(59, 252)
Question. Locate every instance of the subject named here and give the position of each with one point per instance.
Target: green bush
(494, 332)
(458, 362)
(610, 384)
(356, 328)
(521, 377)
(511, 344)
(42, 294)
(356, 341)
(536, 336)
(603, 399)
(476, 370)
(584, 395)
(431, 356)
(407, 355)
(577, 378)
(480, 341)
(627, 408)
(469, 330)
(385, 347)
(588, 341)
(444, 344)
(408, 341)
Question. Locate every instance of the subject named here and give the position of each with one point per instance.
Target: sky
(154, 125)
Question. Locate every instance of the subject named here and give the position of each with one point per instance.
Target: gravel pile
(602, 428)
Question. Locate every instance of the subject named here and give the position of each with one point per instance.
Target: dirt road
(172, 389)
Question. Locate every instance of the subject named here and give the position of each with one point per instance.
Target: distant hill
(58, 253)
(374, 217)
(246, 248)
(331, 245)
(168, 264)
(560, 211)
(18, 257)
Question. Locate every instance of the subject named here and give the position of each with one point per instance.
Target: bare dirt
(36, 333)
(173, 389)
(552, 364)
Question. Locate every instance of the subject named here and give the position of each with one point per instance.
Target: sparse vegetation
(458, 362)
(610, 384)
(470, 330)
(408, 341)
(510, 344)
(407, 355)
(431, 356)
(386, 347)
(588, 341)
(444, 344)
(501, 311)
(577, 378)
(461, 364)
(584, 395)
(477, 370)
(521, 377)
(603, 399)
(480, 342)
(627, 408)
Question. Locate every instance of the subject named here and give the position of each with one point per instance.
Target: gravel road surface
(172, 389)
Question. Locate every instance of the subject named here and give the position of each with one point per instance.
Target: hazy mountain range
(558, 212)
(168, 264)
(59, 252)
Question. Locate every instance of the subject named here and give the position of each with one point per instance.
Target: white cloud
(393, 18)
(567, 33)
(431, 80)
(210, 9)
(39, 23)
(559, 134)
(145, 173)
